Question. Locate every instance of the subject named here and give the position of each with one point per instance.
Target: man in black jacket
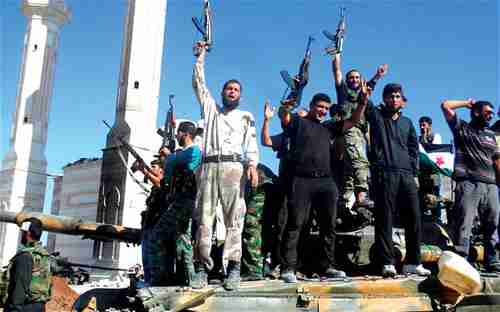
(394, 163)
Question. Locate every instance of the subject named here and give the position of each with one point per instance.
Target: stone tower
(121, 199)
(23, 175)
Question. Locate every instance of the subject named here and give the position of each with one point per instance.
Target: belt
(312, 174)
(222, 158)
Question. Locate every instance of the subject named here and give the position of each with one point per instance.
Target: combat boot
(200, 278)
(232, 281)
(252, 276)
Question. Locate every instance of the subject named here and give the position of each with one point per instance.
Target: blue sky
(436, 49)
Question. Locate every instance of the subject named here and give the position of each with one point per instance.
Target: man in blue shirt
(174, 226)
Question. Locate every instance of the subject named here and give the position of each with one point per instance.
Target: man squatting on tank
(230, 157)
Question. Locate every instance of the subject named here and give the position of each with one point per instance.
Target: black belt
(222, 158)
(312, 174)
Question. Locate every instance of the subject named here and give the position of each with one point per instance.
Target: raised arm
(363, 99)
(337, 72)
(381, 72)
(204, 97)
(449, 107)
(265, 138)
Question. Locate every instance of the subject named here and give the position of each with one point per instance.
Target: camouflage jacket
(41, 274)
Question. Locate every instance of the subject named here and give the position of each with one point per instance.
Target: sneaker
(388, 270)
(232, 281)
(416, 269)
(200, 280)
(288, 276)
(332, 273)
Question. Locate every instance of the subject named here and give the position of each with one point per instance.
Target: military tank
(359, 293)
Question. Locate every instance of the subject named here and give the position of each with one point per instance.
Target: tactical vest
(41, 275)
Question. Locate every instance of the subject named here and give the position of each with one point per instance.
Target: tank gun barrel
(76, 226)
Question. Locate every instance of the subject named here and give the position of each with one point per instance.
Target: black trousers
(30, 307)
(396, 190)
(302, 192)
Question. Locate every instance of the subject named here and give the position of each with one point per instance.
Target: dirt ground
(63, 296)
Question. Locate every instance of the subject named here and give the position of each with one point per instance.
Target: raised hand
(199, 48)
(268, 111)
(365, 92)
(382, 70)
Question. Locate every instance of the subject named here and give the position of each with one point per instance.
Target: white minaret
(23, 175)
(120, 198)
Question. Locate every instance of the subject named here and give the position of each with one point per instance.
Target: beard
(352, 87)
(391, 110)
(480, 122)
(182, 141)
(230, 104)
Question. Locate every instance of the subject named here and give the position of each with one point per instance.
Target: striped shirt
(475, 152)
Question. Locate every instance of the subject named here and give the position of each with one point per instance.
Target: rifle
(338, 38)
(204, 24)
(130, 149)
(169, 129)
(297, 84)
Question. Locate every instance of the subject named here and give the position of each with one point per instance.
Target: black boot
(232, 281)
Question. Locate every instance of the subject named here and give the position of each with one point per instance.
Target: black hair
(336, 109)
(187, 127)
(35, 228)
(425, 119)
(478, 107)
(392, 88)
(232, 81)
(352, 71)
(318, 97)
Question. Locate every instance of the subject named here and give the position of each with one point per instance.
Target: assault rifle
(338, 38)
(168, 132)
(297, 83)
(169, 138)
(138, 159)
(204, 24)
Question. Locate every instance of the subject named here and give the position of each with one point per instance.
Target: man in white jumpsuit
(229, 149)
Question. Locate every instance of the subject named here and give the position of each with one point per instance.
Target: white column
(121, 200)
(23, 175)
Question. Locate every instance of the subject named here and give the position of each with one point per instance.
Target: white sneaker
(388, 270)
(415, 269)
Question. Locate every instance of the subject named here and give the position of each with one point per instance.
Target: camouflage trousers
(171, 255)
(220, 183)
(252, 260)
(356, 163)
